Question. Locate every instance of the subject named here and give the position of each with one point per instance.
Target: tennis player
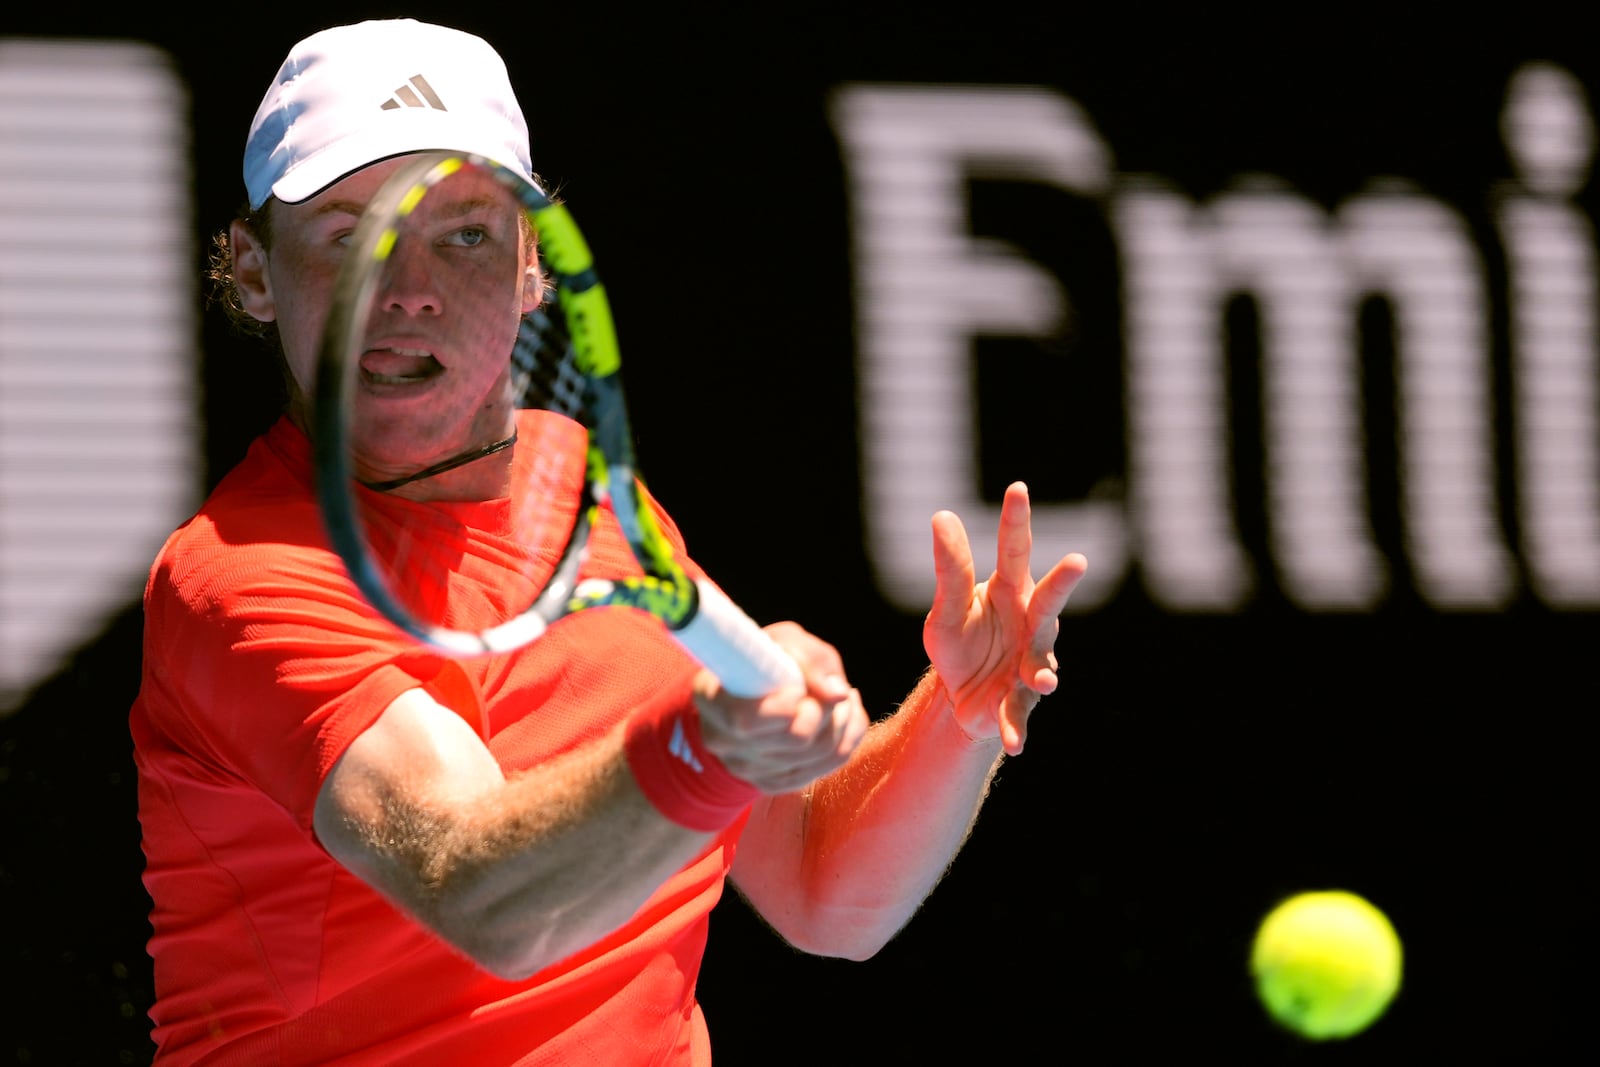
(363, 852)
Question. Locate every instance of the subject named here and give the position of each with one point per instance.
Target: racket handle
(730, 644)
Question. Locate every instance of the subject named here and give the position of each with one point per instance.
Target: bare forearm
(839, 868)
(873, 839)
(574, 851)
(518, 872)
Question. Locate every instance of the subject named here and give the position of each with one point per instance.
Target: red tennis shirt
(261, 664)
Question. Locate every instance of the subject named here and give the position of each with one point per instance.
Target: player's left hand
(993, 642)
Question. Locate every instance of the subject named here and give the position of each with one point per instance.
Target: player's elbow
(856, 934)
(511, 949)
(514, 935)
(501, 961)
(856, 950)
(840, 918)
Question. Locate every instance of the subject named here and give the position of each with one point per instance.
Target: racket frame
(704, 621)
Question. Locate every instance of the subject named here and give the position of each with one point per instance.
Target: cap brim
(419, 130)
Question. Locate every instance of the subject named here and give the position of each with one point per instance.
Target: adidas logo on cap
(415, 93)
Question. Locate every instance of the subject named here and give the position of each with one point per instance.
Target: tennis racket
(465, 380)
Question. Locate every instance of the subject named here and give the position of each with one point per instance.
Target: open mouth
(398, 366)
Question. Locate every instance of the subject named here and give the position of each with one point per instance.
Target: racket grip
(730, 644)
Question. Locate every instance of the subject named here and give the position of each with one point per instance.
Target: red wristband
(677, 775)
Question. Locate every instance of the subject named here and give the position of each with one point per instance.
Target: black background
(1192, 771)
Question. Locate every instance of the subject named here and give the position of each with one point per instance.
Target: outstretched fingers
(954, 573)
(1014, 558)
(1045, 605)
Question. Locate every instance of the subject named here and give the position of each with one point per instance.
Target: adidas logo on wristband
(679, 746)
(688, 786)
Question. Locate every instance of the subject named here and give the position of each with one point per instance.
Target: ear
(251, 278)
(532, 287)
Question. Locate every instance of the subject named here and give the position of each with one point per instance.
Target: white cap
(353, 95)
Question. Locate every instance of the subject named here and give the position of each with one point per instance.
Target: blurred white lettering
(99, 442)
(925, 287)
(1549, 244)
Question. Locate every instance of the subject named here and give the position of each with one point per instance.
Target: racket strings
(544, 365)
(475, 564)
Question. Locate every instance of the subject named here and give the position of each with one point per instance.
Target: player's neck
(479, 473)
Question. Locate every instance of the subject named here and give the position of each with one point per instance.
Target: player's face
(434, 372)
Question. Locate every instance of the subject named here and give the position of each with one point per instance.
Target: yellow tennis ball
(1326, 964)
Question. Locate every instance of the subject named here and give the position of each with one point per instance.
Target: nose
(409, 285)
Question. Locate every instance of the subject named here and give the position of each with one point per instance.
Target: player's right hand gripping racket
(440, 353)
